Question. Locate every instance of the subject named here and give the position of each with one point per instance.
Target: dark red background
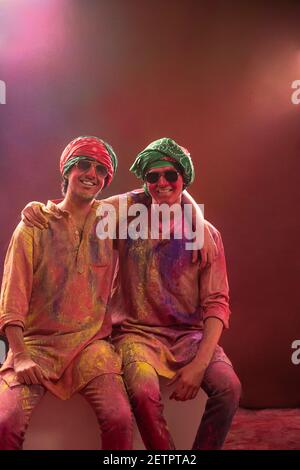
(215, 76)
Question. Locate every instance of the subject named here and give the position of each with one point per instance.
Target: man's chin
(164, 200)
(88, 196)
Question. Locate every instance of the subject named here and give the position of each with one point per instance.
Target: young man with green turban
(169, 313)
(53, 307)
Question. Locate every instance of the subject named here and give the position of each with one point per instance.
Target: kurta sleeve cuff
(11, 319)
(220, 313)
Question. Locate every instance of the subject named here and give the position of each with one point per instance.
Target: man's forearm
(212, 331)
(27, 371)
(14, 335)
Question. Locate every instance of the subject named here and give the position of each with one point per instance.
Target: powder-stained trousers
(106, 394)
(220, 383)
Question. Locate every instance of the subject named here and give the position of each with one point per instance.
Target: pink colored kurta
(161, 299)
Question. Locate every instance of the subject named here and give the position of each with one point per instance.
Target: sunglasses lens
(101, 170)
(152, 177)
(83, 165)
(171, 176)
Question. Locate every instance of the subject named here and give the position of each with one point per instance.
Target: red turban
(92, 147)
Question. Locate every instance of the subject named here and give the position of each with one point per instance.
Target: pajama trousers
(220, 383)
(106, 394)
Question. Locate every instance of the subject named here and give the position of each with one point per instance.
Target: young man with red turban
(54, 296)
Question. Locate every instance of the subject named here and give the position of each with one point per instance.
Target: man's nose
(162, 180)
(91, 172)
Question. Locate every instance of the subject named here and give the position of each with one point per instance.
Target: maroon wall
(213, 75)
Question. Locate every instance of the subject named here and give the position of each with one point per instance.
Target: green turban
(161, 150)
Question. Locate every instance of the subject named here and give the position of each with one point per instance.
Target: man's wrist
(201, 360)
(18, 354)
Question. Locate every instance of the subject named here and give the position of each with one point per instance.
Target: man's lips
(88, 183)
(164, 190)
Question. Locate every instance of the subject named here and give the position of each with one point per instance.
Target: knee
(235, 389)
(230, 387)
(142, 384)
(223, 384)
(145, 395)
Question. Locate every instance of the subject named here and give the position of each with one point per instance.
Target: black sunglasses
(170, 175)
(85, 165)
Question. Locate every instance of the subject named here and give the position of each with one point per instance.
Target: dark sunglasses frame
(170, 175)
(85, 165)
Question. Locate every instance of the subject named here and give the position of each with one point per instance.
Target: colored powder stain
(3, 386)
(139, 252)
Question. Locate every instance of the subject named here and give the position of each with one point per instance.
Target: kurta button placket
(80, 262)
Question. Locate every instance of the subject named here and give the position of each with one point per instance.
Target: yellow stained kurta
(56, 287)
(161, 299)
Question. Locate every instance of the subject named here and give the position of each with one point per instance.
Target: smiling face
(164, 191)
(86, 183)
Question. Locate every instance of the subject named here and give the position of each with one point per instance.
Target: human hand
(27, 371)
(188, 381)
(36, 214)
(209, 251)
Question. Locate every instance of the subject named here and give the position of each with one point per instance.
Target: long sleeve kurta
(56, 287)
(161, 299)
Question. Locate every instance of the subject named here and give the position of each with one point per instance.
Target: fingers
(213, 253)
(177, 395)
(26, 378)
(210, 249)
(190, 394)
(174, 380)
(195, 256)
(44, 376)
(178, 392)
(40, 376)
(39, 216)
(31, 376)
(39, 224)
(55, 211)
(204, 259)
(33, 217)
(22, 378)
(193, 394)
(184, 394)
(26, 221)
